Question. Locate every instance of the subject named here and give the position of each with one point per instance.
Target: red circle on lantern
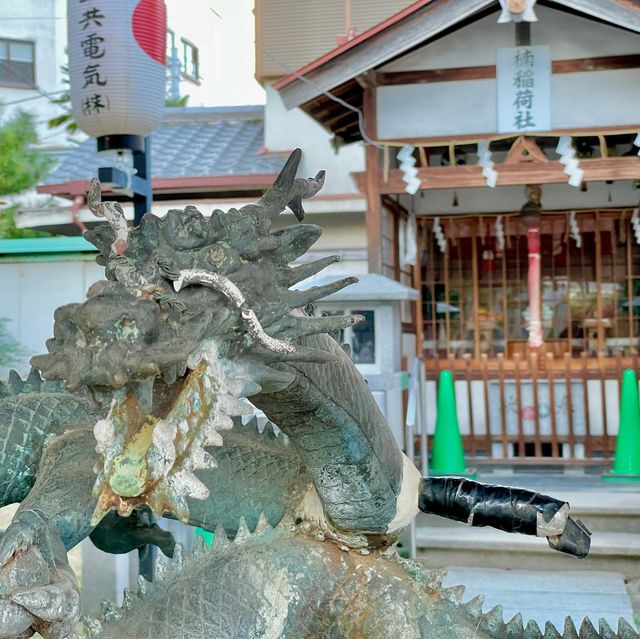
(149, 24)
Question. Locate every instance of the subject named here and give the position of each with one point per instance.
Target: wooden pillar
(372, 186)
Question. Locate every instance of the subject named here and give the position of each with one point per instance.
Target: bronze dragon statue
(138, 407)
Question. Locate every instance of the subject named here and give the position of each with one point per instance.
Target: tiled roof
(191, 142)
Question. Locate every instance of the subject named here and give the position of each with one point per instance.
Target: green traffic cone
(447, 454)
(626, 464)
(205, 534)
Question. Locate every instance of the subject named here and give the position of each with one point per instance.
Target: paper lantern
(117, 56)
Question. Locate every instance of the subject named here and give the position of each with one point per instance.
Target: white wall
(474, 45)
(577, 100)
(225, 40)
(31, 291)
(601, 98)
(473, 409)
(340, 232)
(285, 130)
(44, 22)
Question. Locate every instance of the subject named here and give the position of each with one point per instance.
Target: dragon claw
(38, 590)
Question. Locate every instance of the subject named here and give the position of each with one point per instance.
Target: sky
(223, 31)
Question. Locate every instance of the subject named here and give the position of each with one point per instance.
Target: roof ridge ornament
(517, 11)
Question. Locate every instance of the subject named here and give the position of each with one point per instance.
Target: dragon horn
(303, 189)
(289, 191)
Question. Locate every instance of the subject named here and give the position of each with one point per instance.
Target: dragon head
(193, 316)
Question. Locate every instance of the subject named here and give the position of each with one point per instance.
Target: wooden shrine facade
(426, 79)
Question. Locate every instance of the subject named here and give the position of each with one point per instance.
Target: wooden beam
(474, 138)
(424, 76)
(373, 217)
(460, 177)
(487, 72)
(525, 150)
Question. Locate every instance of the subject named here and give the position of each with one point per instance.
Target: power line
(36, 18)
(326, 93)
(33, 97)
(23, 77)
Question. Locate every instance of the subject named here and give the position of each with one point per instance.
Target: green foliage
(9, 231)
(21, 165)
(64, 101)
(12, 352)
(182, 102)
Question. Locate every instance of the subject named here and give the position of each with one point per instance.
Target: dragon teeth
(110, 611)
(92, 625)
(532, 630)
(187, 483)
(551, 632)
(212, 438)
(199, 546)
(178, 561)
(474, 606)
(232, 406)
(220, 541)
(105, 434)
(223, 422)
(162, 455)
(128, 599)
(514, 627)
(142, 587)
(243, 533)
(202, 460)
(262, 524)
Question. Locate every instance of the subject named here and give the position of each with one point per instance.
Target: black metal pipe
(509, 509)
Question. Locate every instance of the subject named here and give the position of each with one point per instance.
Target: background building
(33, 38)
(426, 77)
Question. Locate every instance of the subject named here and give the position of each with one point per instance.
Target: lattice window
(475, 298)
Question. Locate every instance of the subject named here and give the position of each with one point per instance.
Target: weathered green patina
(150, 380)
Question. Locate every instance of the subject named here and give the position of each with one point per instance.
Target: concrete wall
(30, 291)
(286, 130)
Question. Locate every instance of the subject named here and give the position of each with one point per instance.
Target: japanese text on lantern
(93, 48)
(523, 82)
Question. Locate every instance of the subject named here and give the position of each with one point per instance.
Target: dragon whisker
(225, 286)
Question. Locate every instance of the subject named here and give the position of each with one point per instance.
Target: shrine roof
(331, 88)
(369, 287)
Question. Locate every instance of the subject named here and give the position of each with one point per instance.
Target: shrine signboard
(523, 85)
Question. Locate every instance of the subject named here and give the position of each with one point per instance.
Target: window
(359, 339)
(190, 61)
(476, 301)
(171, 44)
(16, 63)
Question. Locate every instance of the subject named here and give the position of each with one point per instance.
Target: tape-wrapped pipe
(509, 509)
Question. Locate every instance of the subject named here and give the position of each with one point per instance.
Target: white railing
(416, 424)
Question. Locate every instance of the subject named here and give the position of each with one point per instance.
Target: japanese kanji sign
(117, 65)
(523, 81)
